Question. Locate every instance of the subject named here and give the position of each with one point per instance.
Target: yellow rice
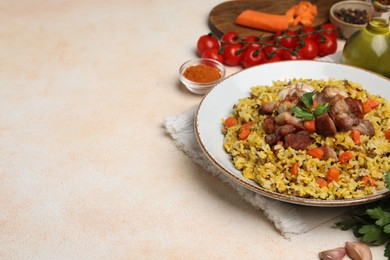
(271, 170)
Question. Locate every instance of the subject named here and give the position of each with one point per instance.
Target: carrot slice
(367, 180)
(366, 107)
(355, 136)
(322, 182)
(333, 174)
(373, 103)
(230, 121)
(262, 21)
(316, 152)
(294, 169)
(310, 125)
(345, 157)
(387, 134)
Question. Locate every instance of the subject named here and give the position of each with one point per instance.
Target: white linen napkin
(289, 219)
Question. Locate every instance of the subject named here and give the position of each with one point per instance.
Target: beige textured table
(86, 171)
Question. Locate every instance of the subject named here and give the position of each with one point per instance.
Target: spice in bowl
(354, 16)
(200, 75)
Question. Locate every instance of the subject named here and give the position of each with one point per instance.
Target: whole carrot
(262, 21)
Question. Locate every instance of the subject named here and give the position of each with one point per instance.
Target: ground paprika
(202, 73)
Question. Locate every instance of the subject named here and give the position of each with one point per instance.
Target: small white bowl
(199, 87)
(347, 29)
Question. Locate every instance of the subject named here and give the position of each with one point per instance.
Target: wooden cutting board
(222, 17)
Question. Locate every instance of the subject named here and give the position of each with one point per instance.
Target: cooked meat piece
(269, 125)
(298, 90)
(355, 106)
(272, 139)
(344, 121)
(365, 128)
(286, 105)
(322, 98)
(286, 118)
(298, 141)
(325, 125)
(332, 91)
(338, 105)
(268, 108)
(285, 130)
(328, 152)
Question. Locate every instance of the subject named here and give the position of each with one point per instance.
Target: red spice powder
(202, 73)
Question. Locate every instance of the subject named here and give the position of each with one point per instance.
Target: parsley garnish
(372, 224)
(307, 112)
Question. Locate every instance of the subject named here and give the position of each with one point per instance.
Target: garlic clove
(333, 254)
(358, 251)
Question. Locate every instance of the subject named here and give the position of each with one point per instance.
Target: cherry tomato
(272, 49)
(273, 58)
(253, 56)
(252, 41)
(287, 39)
(326, 45)
(230, 37)
(311, 33)
(232, 54)
(308, 49)
(330, 30)
(290, 55)
(206, 42)
(213, 54)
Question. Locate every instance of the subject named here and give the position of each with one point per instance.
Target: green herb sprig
(307, 112)
(372, 223)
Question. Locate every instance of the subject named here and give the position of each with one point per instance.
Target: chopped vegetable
(322, 182)
(310, 125)
(244, 131)
(230, 121)
(366, 107)
(373, 103)
(387, 134)
(345, 157)
(316, 152)
(303, 13)
(355, 136)
(262, 21)
(333, 174)
(367, 180)
(294, 169)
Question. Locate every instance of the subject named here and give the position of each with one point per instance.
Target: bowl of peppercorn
(349, 16)
(201, 74)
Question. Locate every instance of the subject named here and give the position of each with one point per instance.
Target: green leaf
(372, 234)
(320, 109)
(387, 179)
(386, 229)
(307, 99)
(302, 113)
(387, 250)
(383, 217)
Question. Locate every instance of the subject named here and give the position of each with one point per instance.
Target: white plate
(218, 103)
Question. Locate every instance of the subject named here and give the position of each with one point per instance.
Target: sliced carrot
(373, 103)
(279, 143)
(367, 180)
(316, 152)
(294, 169)
(262, 21)
(355, 136)
(310, 125)
(322, 182)
(345, 157)
(303, 13)
(244, 131)
(333, 174)
(387, 134)
(366, 107)
(230, 121)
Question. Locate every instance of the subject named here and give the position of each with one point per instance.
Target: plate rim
(272, 194)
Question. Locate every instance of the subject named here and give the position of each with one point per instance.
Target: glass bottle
(369, 48)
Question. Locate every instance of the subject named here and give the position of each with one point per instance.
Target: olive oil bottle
(369, 48)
